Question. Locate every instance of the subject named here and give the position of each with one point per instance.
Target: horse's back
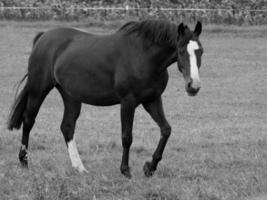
(96, 69)
(85, 66)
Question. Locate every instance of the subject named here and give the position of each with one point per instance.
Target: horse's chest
(144, 86)
(150, 93)
(147, 90)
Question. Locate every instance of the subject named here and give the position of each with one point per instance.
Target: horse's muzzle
(192, 88)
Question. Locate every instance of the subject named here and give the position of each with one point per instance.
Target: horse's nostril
(189, 84)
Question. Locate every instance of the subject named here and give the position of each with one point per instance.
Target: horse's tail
(36, 38)
(16, 113)
(18, 107)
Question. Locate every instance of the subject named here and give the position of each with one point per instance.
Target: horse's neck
(163, 57)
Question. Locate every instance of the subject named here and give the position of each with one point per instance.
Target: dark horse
(128, 68)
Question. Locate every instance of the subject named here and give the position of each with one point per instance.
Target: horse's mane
(152, 31)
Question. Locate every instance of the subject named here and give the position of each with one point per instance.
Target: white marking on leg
(194, 73)
(75, 157)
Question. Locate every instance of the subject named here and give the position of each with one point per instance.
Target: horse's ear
(198, 29)
(181, 29)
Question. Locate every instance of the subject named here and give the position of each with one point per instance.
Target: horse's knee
(166, 131)
(126, 140)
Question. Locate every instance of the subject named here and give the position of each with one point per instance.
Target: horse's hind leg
(155, 109)
(34, 101)
(72, 110)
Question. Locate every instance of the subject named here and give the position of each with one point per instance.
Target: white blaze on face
(75, 157)
(194, 74)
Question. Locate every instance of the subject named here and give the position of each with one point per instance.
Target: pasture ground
(218, 146)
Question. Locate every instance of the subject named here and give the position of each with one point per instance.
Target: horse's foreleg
(127, 115)
(155, 109)
(72, 110)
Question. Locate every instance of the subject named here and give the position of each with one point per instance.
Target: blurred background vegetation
(243, 12)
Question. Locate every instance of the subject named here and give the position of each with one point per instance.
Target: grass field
(218, 146)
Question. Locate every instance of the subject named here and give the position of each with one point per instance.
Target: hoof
(126, 172)
(81, 170)
(24, 162)
(23, 157)
(84, 171)
(147, 169)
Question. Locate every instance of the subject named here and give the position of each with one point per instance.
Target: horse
(127, 67)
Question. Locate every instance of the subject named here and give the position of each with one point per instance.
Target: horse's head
(190, 50)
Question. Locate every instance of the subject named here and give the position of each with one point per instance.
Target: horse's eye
(181, 52)
(199, 52)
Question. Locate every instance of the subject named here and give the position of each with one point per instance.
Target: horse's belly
(93, 94)
(105, 99)
(88, 88)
